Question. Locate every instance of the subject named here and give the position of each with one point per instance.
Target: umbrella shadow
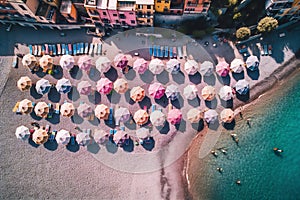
(227, 104)
(73, 95)
(34, 93)
(34, 116)
(111, 147)
(51, 145)
(181, 126)
(95, 98)
(178, 103)
(53, 95)
(210, 80)
(214, 126)
(76, 119)
(76, 73)
(164, 129)
(147, 77)
(94, 74)
(196, 78)
(229, 126)
(211, 104)
(58, 72)
(145, 102)
(149, 144)
(163, 101)
(55, 119)
(194, 102)
(179, 77)
(130, 124)
(111, 74)
(254, 75)
(127, 97)
(198, 126)
(114, 97)
(224, 80)
(111, 124)
(128, 146)
(93, 147)
(163, 77)
(244, 97)
(73, 147)
(95, 121)
(130, 75)
(32, 143)
(40, 73)
(238, 76)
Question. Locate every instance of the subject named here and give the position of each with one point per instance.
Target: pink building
(127, 15)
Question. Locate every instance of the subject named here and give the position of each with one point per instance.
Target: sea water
(275, 122)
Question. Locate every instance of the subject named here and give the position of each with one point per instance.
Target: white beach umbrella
(237, 65)
(227, 115)
(42, 86)
(242, 87)
(29, 61)
(173, 66)
(191, 67)
(225, 93)
(22, 133)
(207, 68)
(172, 92)
(67, 62)
(252, 62)
(190, 92)
(83, 139)
(63, 137)
(84, 110)
(103, 64)
(122, 114)
(194, 115)
(211, 116)
(156, 66)
(100, 136)
(157, 118)
(63, 86)
(208, 93)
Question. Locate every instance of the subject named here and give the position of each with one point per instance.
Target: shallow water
(275, 121)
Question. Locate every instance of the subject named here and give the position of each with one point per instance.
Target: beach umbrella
(24, 83)
(41, 109)
(67, 62)
(156, 90)
(104, 86)
(103, 64)
(85, 63)
(194, 115)
(25, 106)
(242, 87)
(237, 65)
(225, 93)
(141, 117)
(191, 67)
(42, 86)
(211, 116)
(83, 139)
(252, 63)
(40, 136)
(100, 136)
(222, 68)
(102, 111)
(190, 92)
(140, 65)
(22, 133)
(63, 86)
(122, 114)
(142, 133)
(173, 66)
(227, 115)
(174, 116)
(172, 92)
(120, 85)
(207, 68)
(63, 137)
(137, 94)
(84, 110)
(67, 109)
(84, 87)
(157, 118)
(208, 93)
(119, 136)
(46, 62)
(121, 61)
(29, 61)
(156, 66)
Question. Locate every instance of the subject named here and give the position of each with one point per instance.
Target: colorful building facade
(283, 9)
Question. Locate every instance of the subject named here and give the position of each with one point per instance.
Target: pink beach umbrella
(122, 114)
(84, 87)
(84, 110)
(156, 90)
(121, 61)
(140, 65)
(174, 116)
(85, 63)
(222, 68)
(104, 86)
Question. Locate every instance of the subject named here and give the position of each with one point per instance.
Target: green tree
(267, 24)
(243, 33)
(198, 34)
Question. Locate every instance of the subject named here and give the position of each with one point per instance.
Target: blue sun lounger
(150, 50)
(154, 51)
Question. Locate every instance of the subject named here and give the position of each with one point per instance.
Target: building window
(148, 14)
(140, 6)
(122, 16)
(104, 13)
(115, 15)
(158, 1)
(131, 13)
(132, 21)
(93, 12)
(148, 20)
(22, 7)
(148, 6)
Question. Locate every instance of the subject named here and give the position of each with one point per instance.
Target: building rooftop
(112, 4)
(145, 2)
(65, 7)
(102, 4)
(90, 2)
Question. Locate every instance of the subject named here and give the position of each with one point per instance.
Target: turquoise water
(275, 121)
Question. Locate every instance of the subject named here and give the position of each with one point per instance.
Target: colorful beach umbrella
(156, 90)
(157, 118)
(100, 136)
(24, 83)
(104, 86)
(63, 86)
(174, 116)
(22, 133)
(242, 87)
(156, 66)
(122, 114)
(41, 109)
(83, 139)
(63, 137)
(191, 67)
(85, 63)
(84, 87)
(25, 106)
(142, 133)
(226, 93)
(208, 93)
(211, 116)
(67, 109)
(252, 63)
(46, 63)
(141, 117)
(237, 65)
(173, 66)
(172, 92)
(29, 61)
(67, 62)
(140, 65)
(190, 92)
(120, 85)
(194, 115)
(222, 68)
(121, 61)
(40, 136)
(42, 86)
(227, 115)
(103, 64)
(119, 136)
(102, 111)
(137, 94)
(84, 110)
(207, 68)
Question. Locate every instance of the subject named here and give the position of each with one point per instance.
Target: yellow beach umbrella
(121, 86)
(194, 115)
(25, 106)
(41, 109)
(40, 136)
(208, 93)
(141, 117)
(137, 94)
(24, 83)
(227, 115)
(67, 109)
(46, 62)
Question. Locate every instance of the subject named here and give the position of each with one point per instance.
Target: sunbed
(57, 108)
(30, 49)
(150, 50)
(166, 52)
(74, 50)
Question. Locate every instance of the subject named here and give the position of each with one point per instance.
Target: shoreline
(280, 75)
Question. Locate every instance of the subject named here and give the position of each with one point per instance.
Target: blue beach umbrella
(63, 86)
(42, 86)
(242, 87)
(252, 63)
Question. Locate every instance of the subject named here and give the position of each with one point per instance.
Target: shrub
(267, 24)
(198, 34)
(243, 33)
